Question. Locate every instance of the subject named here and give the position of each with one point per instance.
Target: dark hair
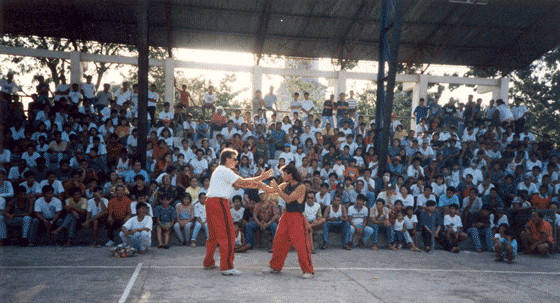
(380, 200)
(46, 189)
(236, 197)
(431, 203)
(227, 153)
(454, 206)
(292, 170)
(140, 205)
(361, 197)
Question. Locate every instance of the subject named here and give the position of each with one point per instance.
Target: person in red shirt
(537, 236)
(119, 212)
(542, 200)
(184, 98)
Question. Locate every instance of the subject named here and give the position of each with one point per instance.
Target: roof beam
(367, 12)
(264, 19)
(342, 44)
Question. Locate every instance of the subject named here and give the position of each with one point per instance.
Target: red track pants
(292, 230)
(220, 230)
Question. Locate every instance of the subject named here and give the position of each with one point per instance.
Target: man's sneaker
(308, 275)
(110, 243)
(270, 270)
(231, 272)
(211, 267)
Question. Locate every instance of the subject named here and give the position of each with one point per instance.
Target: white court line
(130, 283)
(551, 273)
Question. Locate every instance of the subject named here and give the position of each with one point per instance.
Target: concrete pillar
(502, 90)
(170, 82)
(75, 68)
(340, 84)
(420, 91)
(256, 82)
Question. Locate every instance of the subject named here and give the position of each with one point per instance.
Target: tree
(538, 86)
(58, 67)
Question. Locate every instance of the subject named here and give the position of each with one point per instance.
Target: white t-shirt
(307, 105)
(518, 112)
(166, 116)
(326, 200)
(296, 104)
(48, 210)
(61, 88)
(75, 97)
(133, 208)
(8, 88)
(200, 211)
(237, 215)
(454, 222)
(409, 222)
(199, 166)
(311, 211)
(421, 200)
(356, 216)
(133, 223)
(152, 95)
(122, 97)
(398, 226)
(209, 98)
(221, 182)
(89, 90)
(96, 209)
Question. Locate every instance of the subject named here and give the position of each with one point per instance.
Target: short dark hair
(227, 153)
(140, 205)
(431, 203)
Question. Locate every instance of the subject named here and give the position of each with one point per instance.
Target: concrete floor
(84, 274)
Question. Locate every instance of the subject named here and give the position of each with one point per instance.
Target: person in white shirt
(287, 155)
(75, 96)
(295, 105)
(209, 101)
(137, 231)
(307, 106)
(353, 106)
(454, 228)
(88, 90)
(313, 216)
(218, 211)
(153, 98)
(166, 114)
(270, 100)
(62, 90)
(357, 217)
(505, 113)
(199, 164)
(48, 210)
(123, 94)
(8, 86)
(97, 210)
(519, 112)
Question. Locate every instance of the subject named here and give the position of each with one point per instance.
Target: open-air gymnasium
(136, 192)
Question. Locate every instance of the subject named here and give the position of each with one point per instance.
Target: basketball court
(84, 274)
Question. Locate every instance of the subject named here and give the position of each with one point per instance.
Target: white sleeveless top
(337, 214)
(238, 239)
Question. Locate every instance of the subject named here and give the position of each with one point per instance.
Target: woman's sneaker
(270, 270)
(308, 275)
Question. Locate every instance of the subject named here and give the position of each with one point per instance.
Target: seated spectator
(240, 245)
(335, 217)
(185, 219)
(137, 231)
(48, 210)
(165, 217)
(265, 217)
(200, 215)
(447, 200)
(537, 236)
(357, 217)
(453, 228)
(6, 189)
(505, 244)
(481, 228)
(97, 211)
(313, 215)
(76, 212)
(119, 213)
(237, 210)
(430, 224)
(17, 211)
(541, 200)
(401, 233)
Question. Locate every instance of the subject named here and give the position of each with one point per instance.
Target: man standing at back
(218, 215)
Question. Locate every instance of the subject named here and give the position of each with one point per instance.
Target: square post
(170, 82)
(143, 69)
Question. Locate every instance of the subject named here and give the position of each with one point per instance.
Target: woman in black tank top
(292, 228)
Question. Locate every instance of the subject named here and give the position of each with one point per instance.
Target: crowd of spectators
(70, 162)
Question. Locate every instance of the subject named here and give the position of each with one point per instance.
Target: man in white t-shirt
(8, 86)
(352, 106)
(307, 106)
(48, 210)
(88, 90)
(295, 105)
(519, 112)
(153, 97)
(137, 231)
(209, 101)
(123, 94)
(62, 89)
(219, 220)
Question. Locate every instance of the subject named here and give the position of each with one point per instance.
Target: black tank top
(293, 207)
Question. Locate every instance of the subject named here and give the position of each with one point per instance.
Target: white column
(420, 91)
(170, 81)
(502, 90)
(256, 82)
(75, 68)
(340, 84)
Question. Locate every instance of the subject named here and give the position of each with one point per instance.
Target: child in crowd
(185, 218)
(430, 224)
(402, 234)
(505, 245)
(240, 245)
(165, 216)
(410, 224)
(454, 228)
(137, 231)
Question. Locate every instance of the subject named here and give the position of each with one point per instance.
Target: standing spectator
(270, 101)
(137, 231)
(8, 87)
(104, 97)
(506, 114)
(519, 112)
(200, 215)
(209, 101)
(434, 110)
(537, 236)
(62, 90)
(165, 216)
(295, 105)
(430, 224)
(119, 213)
(88, 90)
(184, 98)
(352, 106)
(327, 115)
(307, 106)
(420, 111)
(123, 95)
(153, 98)
(258, 102)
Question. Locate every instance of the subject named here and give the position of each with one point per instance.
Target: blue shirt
(165, 215)
(445, 201)
(129, 177)
(421, 112)
(427, 220)
(434, 108)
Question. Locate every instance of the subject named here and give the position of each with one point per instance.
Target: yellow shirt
(81, 204)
